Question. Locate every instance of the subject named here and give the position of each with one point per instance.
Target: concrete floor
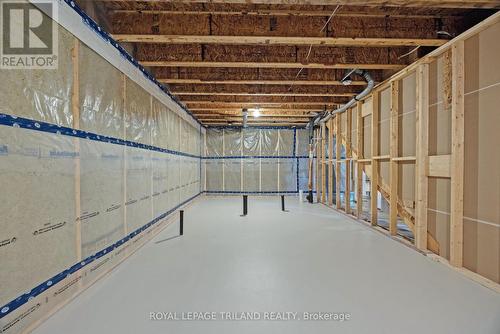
(310, 259)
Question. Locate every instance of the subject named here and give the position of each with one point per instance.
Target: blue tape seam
(249, 192)
(269, 127)
(21, 300)
(87, 20)
(25, 123)
(257, 157)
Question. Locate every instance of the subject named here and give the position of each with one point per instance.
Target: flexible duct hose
(369, 87)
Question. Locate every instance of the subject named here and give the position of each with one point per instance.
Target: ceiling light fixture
(256, 112)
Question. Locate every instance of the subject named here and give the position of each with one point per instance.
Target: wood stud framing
(348, 155)
(338, 147)
(422, 143)
(457, 155)
(323, 164)
(318, 163)
(359, 165)
(375, 162)
(393, 152)
(330, 162)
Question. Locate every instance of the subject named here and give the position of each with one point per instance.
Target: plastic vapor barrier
(90, 165)
(263, 160)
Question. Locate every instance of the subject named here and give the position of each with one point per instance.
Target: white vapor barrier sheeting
(101, 195)
(101, 99)
(42, 95)
(251, 172)
(87, 164)
(37, 202)
(256, 160)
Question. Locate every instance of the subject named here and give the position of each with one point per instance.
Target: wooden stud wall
(427, 166)
(330, 162)
(457, 155)
(422, 152)
(375, 162)
(338, 145)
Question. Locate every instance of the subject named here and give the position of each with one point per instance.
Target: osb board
(101, 195)
(137, 113)
(101, 94)
(482, 158)
(138, 197)
(43, 95)
(407, 128)
(38, 241)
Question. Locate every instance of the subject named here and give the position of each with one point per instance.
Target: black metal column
(245, 205)
(181, 222)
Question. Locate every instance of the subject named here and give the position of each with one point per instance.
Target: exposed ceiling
(285, 58)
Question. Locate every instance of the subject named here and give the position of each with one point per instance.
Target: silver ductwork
(369, 87)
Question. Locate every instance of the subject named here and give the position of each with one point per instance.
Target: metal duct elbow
(370, 83)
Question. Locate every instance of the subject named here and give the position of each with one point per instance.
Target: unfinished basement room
(250, 166)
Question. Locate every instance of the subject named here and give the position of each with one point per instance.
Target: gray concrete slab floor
(310, 259)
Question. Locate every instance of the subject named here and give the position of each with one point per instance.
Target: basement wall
(481, 180)
(91, 166)
(256, 160)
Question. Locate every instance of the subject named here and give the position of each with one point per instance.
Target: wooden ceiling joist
(260, 82)
(182, 93)
(397, 3)
(256, 104)
(270, 65)
(278, 40)
(285, 12)
(216, 109)
(212, 115)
